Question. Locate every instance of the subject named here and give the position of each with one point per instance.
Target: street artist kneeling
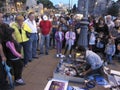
(93, 60)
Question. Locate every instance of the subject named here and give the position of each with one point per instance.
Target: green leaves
(46, 3)
(114, 9)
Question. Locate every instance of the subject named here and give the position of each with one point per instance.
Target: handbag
(7, 70)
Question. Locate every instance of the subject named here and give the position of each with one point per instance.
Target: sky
(115, 0)
(72, 2)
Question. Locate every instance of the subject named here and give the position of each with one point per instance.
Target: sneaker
(46, 53)
(30, 60)
(35, 57)
(105, 63)
(19, 82)
(62, 56)
(70, 55)
(57, 55)
(40, 53)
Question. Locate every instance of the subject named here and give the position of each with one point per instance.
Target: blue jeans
(33, 45)
(52, 40)
(45, 39)
(109, 58)
(26, 50)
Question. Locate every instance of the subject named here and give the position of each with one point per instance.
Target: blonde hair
(19, 18)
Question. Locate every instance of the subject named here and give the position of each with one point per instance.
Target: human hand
(4, 59)
(84, 73)
(21, 56)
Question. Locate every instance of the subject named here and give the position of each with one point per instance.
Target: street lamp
(83, 39)
(86, 8)
(69, 4)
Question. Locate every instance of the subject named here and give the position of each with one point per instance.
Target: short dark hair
(80, 49)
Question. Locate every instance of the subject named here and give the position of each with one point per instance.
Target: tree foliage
(15, 2)
(114, 9)
(23, 1)
(46, 3)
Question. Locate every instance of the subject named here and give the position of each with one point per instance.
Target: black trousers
(98, 71)
(17, 67)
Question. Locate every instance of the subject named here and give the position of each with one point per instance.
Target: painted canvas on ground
(56, 84)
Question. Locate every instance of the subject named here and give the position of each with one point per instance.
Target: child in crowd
(70, 37)
(118, 48)
(110, 50)
(59, 36)
(92, 37)
(100, 43)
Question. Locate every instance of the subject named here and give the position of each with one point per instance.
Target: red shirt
(45, 27)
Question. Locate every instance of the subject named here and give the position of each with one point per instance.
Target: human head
(81, 49)
(91, 27)
(59, 28)
(101, 34)
(71, 27)
(108, 18)
(54, 18)
(101, 20)
(31, 16)
(19, 19)
(8, 36)
(111, 41)
(45, 17)
(118, 46)
(117, 23)
(1, 18)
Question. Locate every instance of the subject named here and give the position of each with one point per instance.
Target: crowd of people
(20, 40)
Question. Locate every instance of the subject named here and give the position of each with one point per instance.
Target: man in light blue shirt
(93, 60)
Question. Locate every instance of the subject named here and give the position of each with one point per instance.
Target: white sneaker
(62, 56)
(57, 55)
(70, 55)
(19, 82)
(105, 63)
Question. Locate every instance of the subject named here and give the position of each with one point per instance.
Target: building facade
(95, 7)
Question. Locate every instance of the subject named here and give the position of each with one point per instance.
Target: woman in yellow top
(21, 37)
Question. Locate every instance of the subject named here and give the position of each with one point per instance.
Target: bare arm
(11, 46)
(2, 53)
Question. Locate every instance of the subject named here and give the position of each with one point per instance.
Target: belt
(33, 33)
(15, 59)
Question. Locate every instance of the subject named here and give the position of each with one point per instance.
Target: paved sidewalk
(37, 73)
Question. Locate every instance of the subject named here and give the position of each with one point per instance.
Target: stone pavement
(37, 73)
